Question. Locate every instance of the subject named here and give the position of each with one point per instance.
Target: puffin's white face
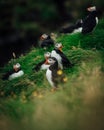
(50, 61)
(90, 9)
(47, 55)
(59, 46)
(16, 67)
(44, 36)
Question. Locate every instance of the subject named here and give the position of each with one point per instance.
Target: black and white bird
(85, 25)
(41, 65)
(45, 41)
(62, 59)
(90, 22)
(15, 73)
(53, 74)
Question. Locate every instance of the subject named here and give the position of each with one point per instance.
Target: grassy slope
(79, 102)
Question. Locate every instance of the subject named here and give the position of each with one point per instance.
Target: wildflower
(35, 93)
(65, 79)
(40, 96)
(59, 72)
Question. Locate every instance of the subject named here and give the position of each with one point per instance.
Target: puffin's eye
(50, 59)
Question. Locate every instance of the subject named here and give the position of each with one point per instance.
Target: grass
(27, 102)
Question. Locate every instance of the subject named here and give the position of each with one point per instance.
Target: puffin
(53, 74)
(63, 61)
(85, 25)
(15, 73)
(90, 22)
(46, 41)
(41, 65)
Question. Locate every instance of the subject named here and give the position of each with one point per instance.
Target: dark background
(23, 21)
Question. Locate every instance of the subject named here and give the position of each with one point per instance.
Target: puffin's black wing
(54, 69)
(55, 77)
(6, 75)
(38, 66)
(89, 23)
(47, 43)
(78, 23)
(65, 61)
(68, 29)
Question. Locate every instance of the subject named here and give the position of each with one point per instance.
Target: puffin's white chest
(78, 30)
(58, 57)
(44, 67)
(49, 77)
(15, 75)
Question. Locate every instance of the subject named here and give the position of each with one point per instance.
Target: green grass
(27, 102)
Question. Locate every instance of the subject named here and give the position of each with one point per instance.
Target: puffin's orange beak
(46, 62)
(88, 9)
(41, 38)
(60, 48)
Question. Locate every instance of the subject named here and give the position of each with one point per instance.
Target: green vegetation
(27, 102)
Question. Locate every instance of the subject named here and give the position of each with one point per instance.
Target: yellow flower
(40, 96)
(35, 94)
(59, 72)
(65, 79)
